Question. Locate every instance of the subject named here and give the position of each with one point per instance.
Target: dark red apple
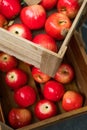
(46, 41)
(33, 16)
(20, 30)
(3, 21)
(39, 76)
(72, 100)
(57, 25)
(68, 7)
(65, 73)
(48, 4)
(45, 109)
(16, 78)
(10, 8)
(25, 96)
(7, 62)
(19, 117)
(53, 90)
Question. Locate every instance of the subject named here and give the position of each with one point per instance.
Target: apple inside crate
(46, 60)
(76, 56)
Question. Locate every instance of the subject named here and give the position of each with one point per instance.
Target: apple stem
(62, 22)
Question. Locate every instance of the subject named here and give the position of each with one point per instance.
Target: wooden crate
(76, 56)
(42, 58)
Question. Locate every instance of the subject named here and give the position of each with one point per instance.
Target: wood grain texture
(31, 2)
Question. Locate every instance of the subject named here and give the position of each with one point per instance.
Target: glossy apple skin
(45, 109)
(48, 4)
(46, 41)
(72, 100)
(7, 62)
(3, 21)
(16, 78)
(68, 7)
(10, 8)
(19, 117)
(65, 73)
(33, 16)
(39, 76)
(20, 30)
(57, 25)
(53, 90)
(25, 96)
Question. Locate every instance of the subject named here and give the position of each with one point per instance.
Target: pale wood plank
(31, 2)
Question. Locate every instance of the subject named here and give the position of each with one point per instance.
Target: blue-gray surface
(76, 123)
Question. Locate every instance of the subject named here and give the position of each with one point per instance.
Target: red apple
(16, 78)
(19, 117)
(3, 21)
(68, 7)
(46, 41)
(65, 73)
(39, 76)
(33, 16)
(57, 25)
(53, 90)
(7, 62)
(48, 4)
(10, 8)
(72, 100)
(20, 30)
(25, 96)
(45, 109)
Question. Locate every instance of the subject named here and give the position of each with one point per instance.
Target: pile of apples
(35, 17)
(51, 91)
(55, 26)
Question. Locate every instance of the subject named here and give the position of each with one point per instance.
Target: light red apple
(68, 7)
(72, 100)
(33, 16)
(45, 109)
(45, 41)
(53, 90)
(10, 8)
(57, 25)
(16, 78)
(48, 4)
(25, 96)
(20, 30)
(19, 117)
(3, 21)
(65, 73)
(39, 76)
(7, 62)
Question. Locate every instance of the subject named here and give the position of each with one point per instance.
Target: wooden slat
(29, 52)
(31, 2)
(4, 127)
(55, 119)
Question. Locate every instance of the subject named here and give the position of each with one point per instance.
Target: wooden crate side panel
(75, 55)
(28, 52)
